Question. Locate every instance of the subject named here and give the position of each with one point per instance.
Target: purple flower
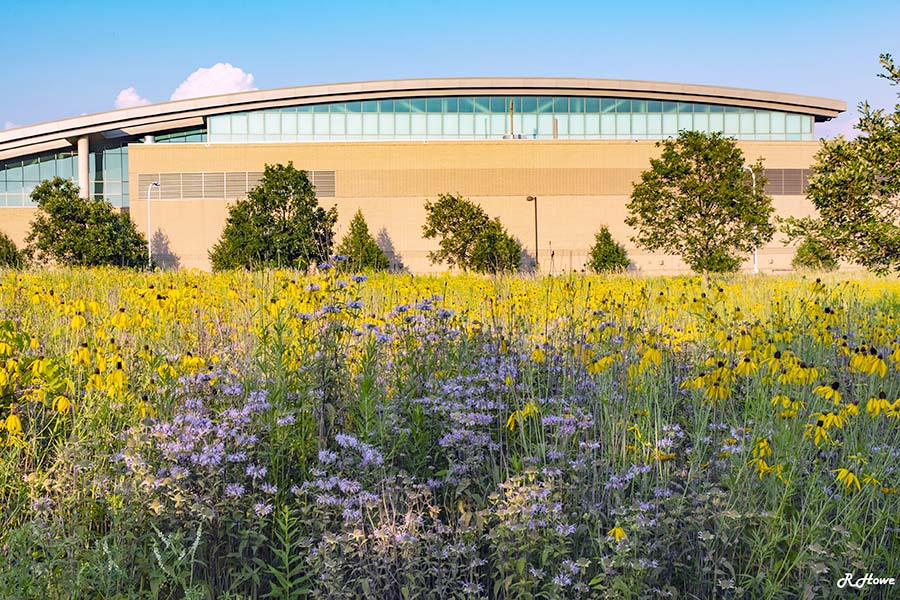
(327, 456)
(234, 490)
(285, 420)
(262, 509)
(256, 471)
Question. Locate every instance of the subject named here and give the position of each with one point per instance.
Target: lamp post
(534, 199)
(149, 235)
(755, 255)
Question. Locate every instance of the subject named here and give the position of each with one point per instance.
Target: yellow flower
(762, 448)
(876, 405)
(519, 416)
(652, 357)
(869, 479)
(847, 477)
(13, 424)
(663, 456)
(61, 404)
(617, 533)
(78, 322)
(746, 367)
(537, 355)
(829, 392)
(82, 356)
(166, 371)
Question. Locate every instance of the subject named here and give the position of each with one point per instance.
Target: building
(387, 146)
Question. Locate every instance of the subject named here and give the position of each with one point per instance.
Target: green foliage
(360, 248)
(855, 186)
(607, 256)
(81, 232)
(469, 238)
(9, 254)
(695, 201)
(279, 224)
(812, 254)
(495, 251)
(287, 567)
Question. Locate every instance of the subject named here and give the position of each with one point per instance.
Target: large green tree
(84, 232)
(696, 201)
(359, 247)
(856, 189)
(467, 237)
(278, 224)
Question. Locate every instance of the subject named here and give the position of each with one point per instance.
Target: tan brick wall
(580, 185)
(16, 223)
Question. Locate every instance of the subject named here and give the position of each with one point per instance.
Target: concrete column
(149, 139)
(84, 155)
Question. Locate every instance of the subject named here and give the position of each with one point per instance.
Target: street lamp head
(154, 184)
(530, 199)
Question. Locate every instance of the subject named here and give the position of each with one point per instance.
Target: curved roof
(166, 116)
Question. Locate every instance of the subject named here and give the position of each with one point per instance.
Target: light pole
(755, 256)
(534, 199)
(149, 235)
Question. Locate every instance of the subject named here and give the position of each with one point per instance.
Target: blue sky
(66, 57)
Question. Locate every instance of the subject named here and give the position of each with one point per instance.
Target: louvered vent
(787, 182)
(216, 185)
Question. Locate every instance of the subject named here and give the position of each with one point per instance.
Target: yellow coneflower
(829, 392)
(617, 534)
(519, 416)
(663, 456)
(762, 448)
(876, 406)
(848, 478)
(869, 479)
(61, 404)
(13, 424)
(77, 322)
(652, 358)
(82, 356)
(746, 367)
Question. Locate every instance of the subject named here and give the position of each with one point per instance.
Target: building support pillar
(84, 155)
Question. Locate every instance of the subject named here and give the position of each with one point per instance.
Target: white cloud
(129, 97)
(221, 78)
(9, 125)
(840, 125)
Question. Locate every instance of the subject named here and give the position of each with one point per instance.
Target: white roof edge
(178, 109)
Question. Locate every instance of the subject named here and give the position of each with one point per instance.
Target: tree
(495, 251)
(812, 254)
(83, 232)
(855, 187)
(607, 256)
(696, 201)
(469, 238)
(9, 254)
(278, 224)
(360, 249)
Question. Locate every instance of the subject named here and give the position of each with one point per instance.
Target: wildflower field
(276, 435)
